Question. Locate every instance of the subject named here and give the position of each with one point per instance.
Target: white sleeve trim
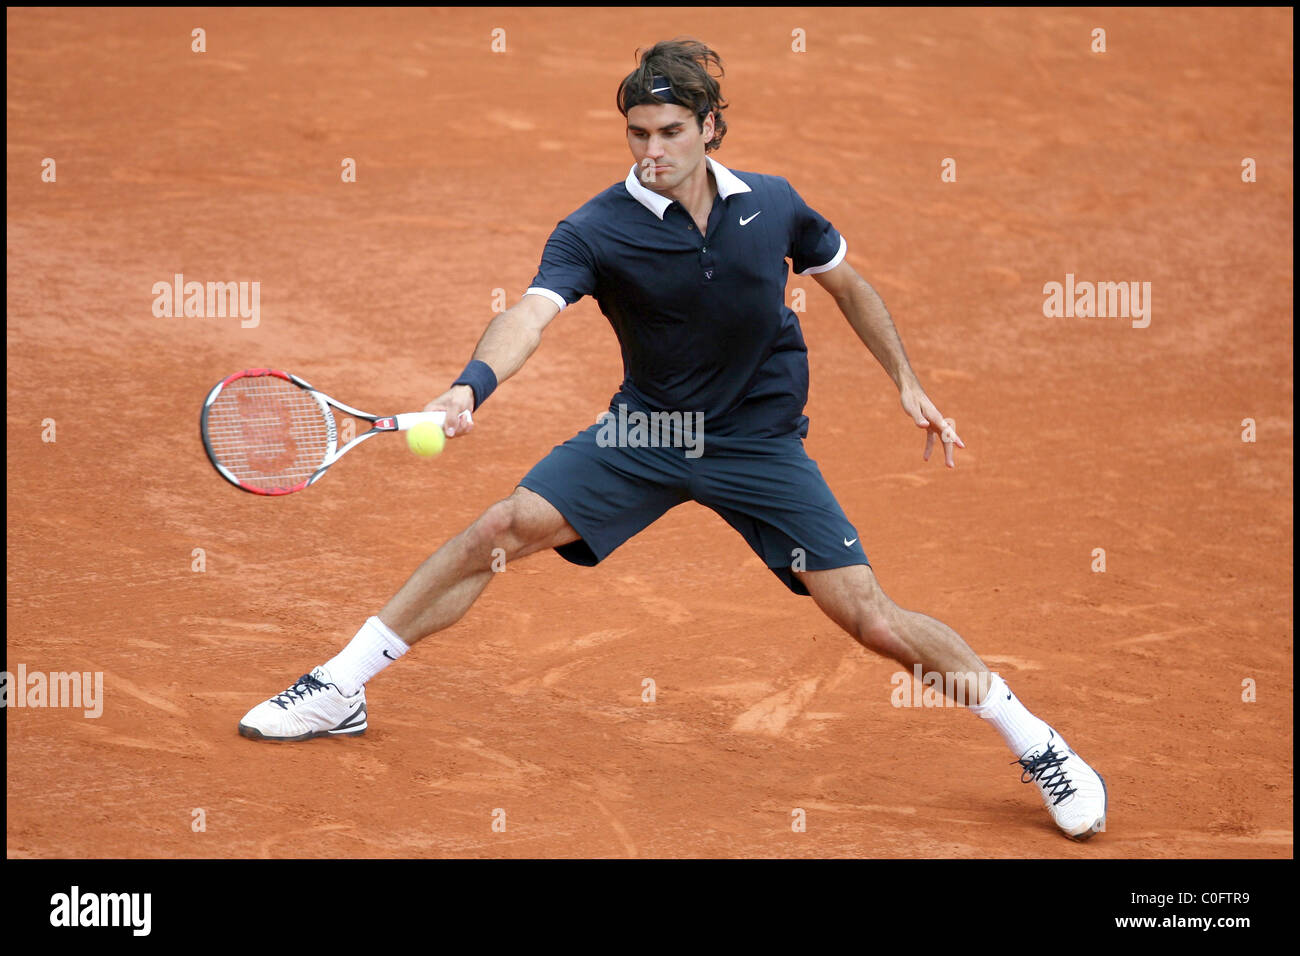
(548, 294)
(839, 257)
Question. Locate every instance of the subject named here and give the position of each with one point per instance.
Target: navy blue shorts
(768, 489)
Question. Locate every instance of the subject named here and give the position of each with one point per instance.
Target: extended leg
(1074, 793)
(853, 599)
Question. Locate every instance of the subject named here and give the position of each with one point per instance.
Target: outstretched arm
(867, 314)
(505, 345)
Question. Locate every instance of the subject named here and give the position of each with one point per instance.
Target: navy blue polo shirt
(701, 320)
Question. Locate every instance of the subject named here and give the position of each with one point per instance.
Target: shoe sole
(1098, 826)
(252, 733)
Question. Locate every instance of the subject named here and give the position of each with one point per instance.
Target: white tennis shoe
(1074, 793)
(312, 707)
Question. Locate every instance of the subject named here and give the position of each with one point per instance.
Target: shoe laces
(302, 688)
(1045, 769)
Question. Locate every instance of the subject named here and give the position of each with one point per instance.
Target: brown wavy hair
(688, 64)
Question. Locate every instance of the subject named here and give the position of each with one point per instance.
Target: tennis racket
(270, 433)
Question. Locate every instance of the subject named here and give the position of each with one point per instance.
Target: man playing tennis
(687, 260)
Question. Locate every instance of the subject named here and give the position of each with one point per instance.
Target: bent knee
(521, 524)
(495, 528)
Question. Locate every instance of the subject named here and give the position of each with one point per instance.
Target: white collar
(728, 185)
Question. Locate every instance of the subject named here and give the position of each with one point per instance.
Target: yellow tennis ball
(425, 439)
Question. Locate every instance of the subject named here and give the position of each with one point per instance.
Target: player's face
(667, 143)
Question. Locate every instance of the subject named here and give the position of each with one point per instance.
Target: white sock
(365, 656)
(1018, 727)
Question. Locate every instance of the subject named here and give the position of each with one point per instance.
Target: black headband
(660, 87)
(663, 90)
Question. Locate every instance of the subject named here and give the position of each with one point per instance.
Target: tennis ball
(425, 439)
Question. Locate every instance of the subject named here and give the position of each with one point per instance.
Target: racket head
(267, 432)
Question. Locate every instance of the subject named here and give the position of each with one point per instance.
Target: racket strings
(267, 432)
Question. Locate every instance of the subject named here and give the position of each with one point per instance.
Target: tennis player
(687, 260)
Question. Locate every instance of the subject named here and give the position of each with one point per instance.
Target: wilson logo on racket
(267, 430)
(270, 433)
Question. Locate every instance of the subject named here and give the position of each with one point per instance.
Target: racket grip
(411, 419)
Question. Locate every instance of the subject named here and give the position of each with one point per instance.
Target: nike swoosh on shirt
(746, 222)
(848, 543)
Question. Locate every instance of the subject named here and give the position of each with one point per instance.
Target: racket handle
(411, 419)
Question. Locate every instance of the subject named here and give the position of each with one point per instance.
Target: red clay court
(1082, 433)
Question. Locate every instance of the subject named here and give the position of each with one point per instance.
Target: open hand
(917, 404)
